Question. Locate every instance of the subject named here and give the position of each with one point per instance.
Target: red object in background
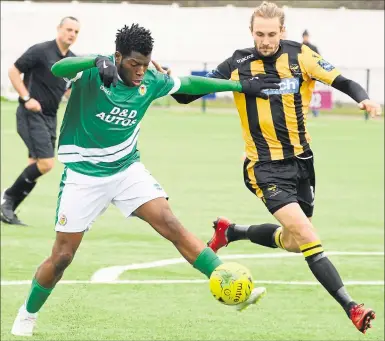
(322, 99)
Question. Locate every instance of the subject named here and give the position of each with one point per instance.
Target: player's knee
(45, 165)
(289, 243)
(302, 233)
(31, 161)
(296, 226)
(298, 229)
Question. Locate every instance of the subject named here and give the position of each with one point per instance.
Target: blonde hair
(268, 10)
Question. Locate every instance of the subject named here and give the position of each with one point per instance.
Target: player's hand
(255, 85)
(372, 108)
(107, 71)
(160, 69)
(32, 105)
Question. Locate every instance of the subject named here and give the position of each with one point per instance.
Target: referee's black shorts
(282, 182)
(38, 132)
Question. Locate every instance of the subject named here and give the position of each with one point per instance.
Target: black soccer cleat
(7, 214)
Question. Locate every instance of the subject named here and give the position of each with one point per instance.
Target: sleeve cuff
(176, 86)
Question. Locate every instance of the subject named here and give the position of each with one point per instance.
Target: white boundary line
(188, 281)
(110, 275)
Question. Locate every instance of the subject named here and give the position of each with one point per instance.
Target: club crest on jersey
(295, 70)
(62, 220)
(142, 90)
(325, 65)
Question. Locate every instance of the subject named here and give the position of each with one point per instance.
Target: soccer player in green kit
(97, 145)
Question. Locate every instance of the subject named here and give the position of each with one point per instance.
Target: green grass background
(197, 158)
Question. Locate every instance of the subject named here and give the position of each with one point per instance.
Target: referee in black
(39, 96)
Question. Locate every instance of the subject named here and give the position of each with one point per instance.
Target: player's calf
(325, 272)
(51, 270)
(300, 227)
(46, 277)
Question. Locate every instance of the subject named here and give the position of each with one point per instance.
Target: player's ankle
(37, 297)
(234, 233)
(207, 261)
(348, 307)
(24, 310)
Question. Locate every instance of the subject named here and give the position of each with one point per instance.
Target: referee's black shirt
(42, 85)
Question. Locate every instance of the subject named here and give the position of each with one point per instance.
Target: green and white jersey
(100, 129)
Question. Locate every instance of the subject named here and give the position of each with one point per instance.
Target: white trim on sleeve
(176, 86)
(78, 76)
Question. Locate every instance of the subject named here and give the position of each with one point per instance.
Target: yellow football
(231, 283)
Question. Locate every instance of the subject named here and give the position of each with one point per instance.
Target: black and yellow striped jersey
(275, 129)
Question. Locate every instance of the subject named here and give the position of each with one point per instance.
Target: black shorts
(38, 132)
(282, 182)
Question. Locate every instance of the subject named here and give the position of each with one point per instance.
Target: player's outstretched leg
(158, 214)
(296, 235)
(269, 235)
(294, 221)
(46, 277)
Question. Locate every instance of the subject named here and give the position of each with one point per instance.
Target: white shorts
(83, 198)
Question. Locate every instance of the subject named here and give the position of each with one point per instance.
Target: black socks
(23, 184)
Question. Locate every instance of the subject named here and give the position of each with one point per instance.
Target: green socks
(207, 261)
(37, 297)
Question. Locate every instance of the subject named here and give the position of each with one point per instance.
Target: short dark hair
(305, 33)
(65, 18)
(134, 38)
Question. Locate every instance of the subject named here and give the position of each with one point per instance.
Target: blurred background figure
(306, 41)
(39, 93)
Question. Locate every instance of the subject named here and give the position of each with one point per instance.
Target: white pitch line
(189, 281)
(112, 273)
